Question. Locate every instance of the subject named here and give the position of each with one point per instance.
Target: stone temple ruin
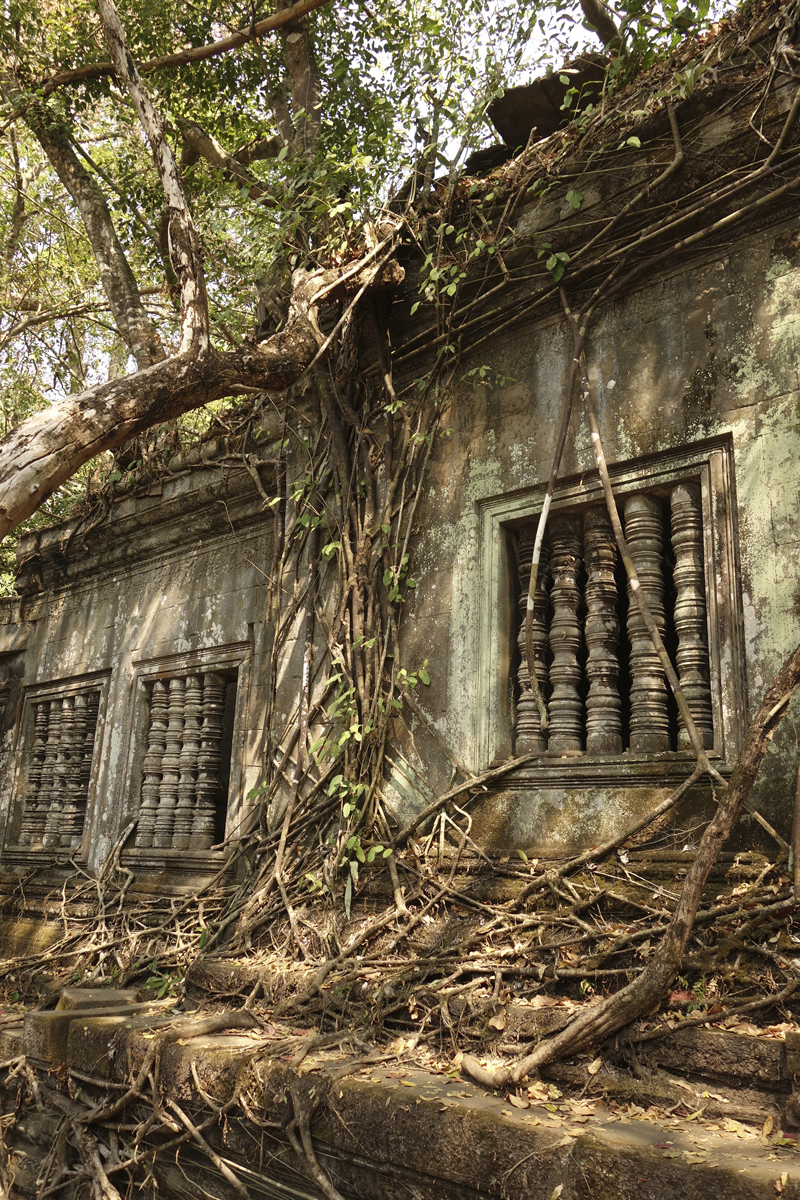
(136, 671)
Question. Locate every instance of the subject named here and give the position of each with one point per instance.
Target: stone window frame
(13, 851)
(710, 464)
(227, 658)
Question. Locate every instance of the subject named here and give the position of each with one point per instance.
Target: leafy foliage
(402, 88)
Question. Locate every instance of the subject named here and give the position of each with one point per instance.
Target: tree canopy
(291, 129)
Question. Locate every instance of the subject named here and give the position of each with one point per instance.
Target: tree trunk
(303, 73)
(597, 1023)
(116, 276)
(184, 244)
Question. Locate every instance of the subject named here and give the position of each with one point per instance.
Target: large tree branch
(182, 58)
(18, 214)
(49, 447)
(184, 244)
(46, 449)
(600, 19)
(303, 73)
(269, 147)
(200, 143)
(116, 276)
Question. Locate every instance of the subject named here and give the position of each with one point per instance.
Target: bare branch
(182, 58)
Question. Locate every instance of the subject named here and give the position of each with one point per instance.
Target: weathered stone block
(45, 1036)
(728, 1057)
(90, 1043)
(792, 1044)
(81, 998)
(10, 1041)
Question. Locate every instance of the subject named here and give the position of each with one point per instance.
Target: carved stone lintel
(170, 768)
(529, 736)
(690, 610)
(566, 634)
(151, 766)
(649, 721)
(603, 704)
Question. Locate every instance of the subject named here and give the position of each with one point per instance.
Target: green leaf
(415, 306)
(424, 676)
(634, 141)
(334, 784)
(348, 895)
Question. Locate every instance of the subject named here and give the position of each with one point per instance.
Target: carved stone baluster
(566, 635)
(47, 785)
(58, 800)
(34, 817)
(151, 765)
(649, 722)
(209, 761)
(529, 736)
(690, 610)
(170, 768)
(74, 800)
(185, 812)
(603, 704)
(92, 712)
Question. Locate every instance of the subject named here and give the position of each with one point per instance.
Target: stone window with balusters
(185, 769)
(58, 767)
(604, 689)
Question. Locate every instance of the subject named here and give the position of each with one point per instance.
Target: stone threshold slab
(390, 1130)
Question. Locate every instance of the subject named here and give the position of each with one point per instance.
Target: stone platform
(386, 1127)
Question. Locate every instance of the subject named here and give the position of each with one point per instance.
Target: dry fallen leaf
(517, 1101)
(768, 1127)
(498, 1021)
(595, 1066)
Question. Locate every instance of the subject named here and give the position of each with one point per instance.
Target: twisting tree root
(599, 1021)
